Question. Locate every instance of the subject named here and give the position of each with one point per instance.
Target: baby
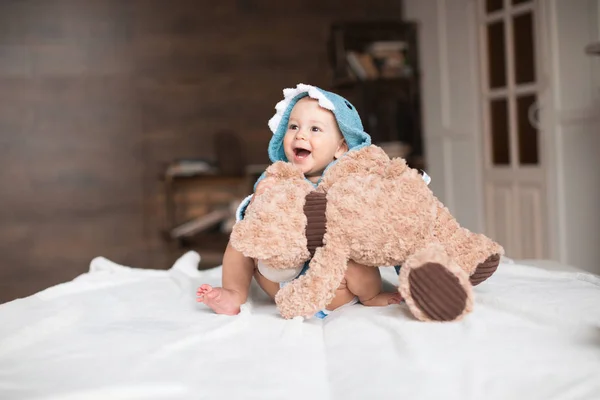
(311, 133)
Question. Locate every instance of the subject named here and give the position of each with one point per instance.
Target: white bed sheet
(125, 333)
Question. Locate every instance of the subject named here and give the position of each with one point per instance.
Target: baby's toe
(204, 288)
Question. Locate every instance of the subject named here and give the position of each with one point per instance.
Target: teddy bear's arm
(314, 291)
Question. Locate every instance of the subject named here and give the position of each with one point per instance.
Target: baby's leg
(343, 296)
(271, 288)
(365, 282)
(237, 275)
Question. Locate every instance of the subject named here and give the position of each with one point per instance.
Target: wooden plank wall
(96, 95)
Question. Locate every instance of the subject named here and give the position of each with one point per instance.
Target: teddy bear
(376, 211)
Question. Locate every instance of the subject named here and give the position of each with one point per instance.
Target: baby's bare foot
(395, 298)
(222, 301)
(383, 299)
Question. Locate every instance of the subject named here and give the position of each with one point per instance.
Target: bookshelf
(375, 65)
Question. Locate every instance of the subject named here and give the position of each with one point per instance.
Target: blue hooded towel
(345, 113)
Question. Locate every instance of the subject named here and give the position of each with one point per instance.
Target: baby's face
(312, 140)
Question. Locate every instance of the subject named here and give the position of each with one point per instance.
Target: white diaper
(323, 313)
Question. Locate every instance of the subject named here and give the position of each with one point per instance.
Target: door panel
(531, 224)
(514, 170)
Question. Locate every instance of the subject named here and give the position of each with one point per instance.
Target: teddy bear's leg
(485, 269)
(477, 254)
(434, 287)
(314, 290)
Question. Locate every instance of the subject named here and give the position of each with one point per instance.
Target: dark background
(97, 95)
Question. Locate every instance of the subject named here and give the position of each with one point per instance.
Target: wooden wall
(96, 95)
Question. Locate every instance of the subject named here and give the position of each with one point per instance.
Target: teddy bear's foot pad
(485, 270)
(437, 292)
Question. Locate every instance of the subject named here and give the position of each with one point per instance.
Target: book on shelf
(362, 65)
(200, 224)
(384, 47)
(389, 57)
(380, 59)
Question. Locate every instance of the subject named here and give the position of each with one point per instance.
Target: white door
(481, 85)
(451, 104)
(516, 207)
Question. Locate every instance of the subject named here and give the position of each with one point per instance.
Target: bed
(118, 332)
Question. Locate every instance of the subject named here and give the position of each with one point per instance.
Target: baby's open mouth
(301, 153)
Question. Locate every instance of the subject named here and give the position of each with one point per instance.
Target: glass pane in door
(499, 130)
(496, 55)
(524, 49)
(527, 131)
(493, 5)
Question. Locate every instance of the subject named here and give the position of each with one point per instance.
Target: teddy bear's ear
(284, 170)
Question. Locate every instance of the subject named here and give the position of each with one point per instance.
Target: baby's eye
(315, 129)
(293, 127)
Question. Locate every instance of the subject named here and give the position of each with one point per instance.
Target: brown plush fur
(274, 223)
(379, 212)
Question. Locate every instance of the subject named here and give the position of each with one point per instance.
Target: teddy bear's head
(273, 228)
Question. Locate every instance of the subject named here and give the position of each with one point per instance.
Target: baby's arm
(365, 283)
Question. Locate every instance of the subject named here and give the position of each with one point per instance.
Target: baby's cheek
(287, 142)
